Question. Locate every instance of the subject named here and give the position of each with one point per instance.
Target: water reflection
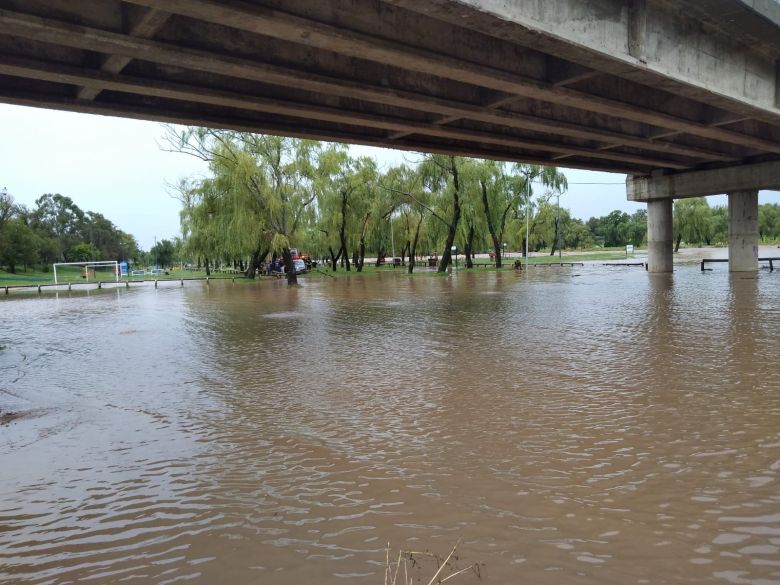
(570, 424)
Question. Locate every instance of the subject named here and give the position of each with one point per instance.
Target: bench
(771, 261)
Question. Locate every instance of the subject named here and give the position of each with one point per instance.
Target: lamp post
(527, 218)
(392, 238)
(558, 226)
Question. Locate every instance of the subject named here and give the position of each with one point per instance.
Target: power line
(584, 183)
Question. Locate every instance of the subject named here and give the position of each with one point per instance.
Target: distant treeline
(57, 230)
(695, 222)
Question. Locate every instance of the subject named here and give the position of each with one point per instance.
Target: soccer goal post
(103, 265)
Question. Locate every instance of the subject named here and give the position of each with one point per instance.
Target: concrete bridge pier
(659, 236)
(741, 183)
(743, 231)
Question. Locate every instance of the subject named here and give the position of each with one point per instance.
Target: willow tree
(407, 199)
(268, 183)
(502, 193)
(441, 178)
(332, 204)
(550, 178)
(473, 227)
(204, 220)
(370, 205)
(693, 221)
(346, 193)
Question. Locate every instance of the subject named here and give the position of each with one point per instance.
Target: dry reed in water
(402, 570)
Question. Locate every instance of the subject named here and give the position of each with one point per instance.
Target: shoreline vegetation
(74, 276)
(483, 263)
(282, 200)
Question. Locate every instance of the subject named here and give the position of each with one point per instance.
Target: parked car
(300, 266)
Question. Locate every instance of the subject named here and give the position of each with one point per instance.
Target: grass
(508, 264)
(72, 274)
(583, 257)
(407, 567)
(67, 275)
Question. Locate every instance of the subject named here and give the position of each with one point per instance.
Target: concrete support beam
(291, 28)
(777, 84)
(700, 183)
(637, 30)
(146, 27)
(660, 236)
(743, 231)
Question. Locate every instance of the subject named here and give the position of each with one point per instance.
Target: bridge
(683, 96)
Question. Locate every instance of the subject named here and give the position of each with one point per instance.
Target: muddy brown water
(578, 425)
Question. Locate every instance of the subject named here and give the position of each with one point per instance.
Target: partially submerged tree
(263, 187)
(692, 221)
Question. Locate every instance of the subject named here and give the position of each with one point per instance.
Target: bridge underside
(683, 95)
(594, 89)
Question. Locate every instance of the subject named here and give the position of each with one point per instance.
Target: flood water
(585, 425)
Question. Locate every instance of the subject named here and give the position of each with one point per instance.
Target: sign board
(629, 249)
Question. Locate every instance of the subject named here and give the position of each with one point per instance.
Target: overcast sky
(114, 166)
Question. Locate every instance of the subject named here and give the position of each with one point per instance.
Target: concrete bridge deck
(628, 86)
(660, 89)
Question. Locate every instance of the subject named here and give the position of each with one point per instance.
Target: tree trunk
(491, 227)
(379, 256)
(343, 232)
(255, 262)
(446, 258)
(555, 240)
(414, 244)
(677, 244)
(334, 258)
(208, 267)
(361, 255)
(470, 247)
(289, 267)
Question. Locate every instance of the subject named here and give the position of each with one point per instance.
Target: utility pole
(392, 238)
(558, 227)
(527, 217)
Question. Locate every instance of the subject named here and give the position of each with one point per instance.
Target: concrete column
(659, 236)
(743, 231)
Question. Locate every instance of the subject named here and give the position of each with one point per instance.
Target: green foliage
(82, 252)
(769, 222)
(692, 221)
(57, 230)
(162, 253)
(19, 244)
(618, 228)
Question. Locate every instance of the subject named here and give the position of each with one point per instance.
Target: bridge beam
(758, 176)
